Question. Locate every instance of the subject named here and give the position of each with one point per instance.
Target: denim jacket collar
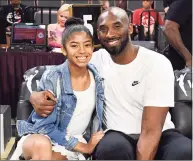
(66, 78)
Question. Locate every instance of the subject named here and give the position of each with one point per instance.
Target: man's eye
(117, 26)
(103, 30)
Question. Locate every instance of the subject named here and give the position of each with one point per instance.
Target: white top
(147, 81)
(84, 109)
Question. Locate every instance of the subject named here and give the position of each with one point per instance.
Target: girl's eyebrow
(78, 42)
(88, 41)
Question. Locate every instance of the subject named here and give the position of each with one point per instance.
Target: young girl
(79, 94)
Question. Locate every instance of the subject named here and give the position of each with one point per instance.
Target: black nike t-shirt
(6, 14)
(180, 11)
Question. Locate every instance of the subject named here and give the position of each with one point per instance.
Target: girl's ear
(64, 51)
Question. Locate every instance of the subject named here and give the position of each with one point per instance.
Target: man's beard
(115, 51)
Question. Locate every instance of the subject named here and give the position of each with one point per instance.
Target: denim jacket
(55, 125)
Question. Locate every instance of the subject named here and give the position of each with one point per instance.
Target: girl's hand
(94, 140)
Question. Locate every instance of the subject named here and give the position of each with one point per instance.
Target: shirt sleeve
(159, 90)
(29, 15)
(179, 11)
(97, 59)
(2, 13)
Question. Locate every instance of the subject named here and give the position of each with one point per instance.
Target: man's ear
(130, 28)
(64, 51)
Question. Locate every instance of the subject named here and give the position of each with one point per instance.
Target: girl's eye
(73, 46)
(88, 45)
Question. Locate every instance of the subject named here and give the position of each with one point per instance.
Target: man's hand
(43, 102)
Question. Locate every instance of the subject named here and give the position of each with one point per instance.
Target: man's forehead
(109, 16)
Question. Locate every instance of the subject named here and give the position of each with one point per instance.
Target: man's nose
(110, 33)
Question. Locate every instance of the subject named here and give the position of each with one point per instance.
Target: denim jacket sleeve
(49, 82)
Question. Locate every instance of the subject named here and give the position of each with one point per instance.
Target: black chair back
(182, 112)
(30, 83)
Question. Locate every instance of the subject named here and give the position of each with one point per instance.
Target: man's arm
(175, 17)
(171, 31)
(152, 123)
(158, 96)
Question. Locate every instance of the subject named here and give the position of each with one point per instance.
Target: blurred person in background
(121, 4)
(178, 32)
(105, 4)
(17, 10)
(55, 30)
(144, 21)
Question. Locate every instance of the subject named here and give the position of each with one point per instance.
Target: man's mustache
(111, 39)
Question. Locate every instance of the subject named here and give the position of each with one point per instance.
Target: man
(16, 10)
(139, 89)
(178, 32)
(141, 17)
